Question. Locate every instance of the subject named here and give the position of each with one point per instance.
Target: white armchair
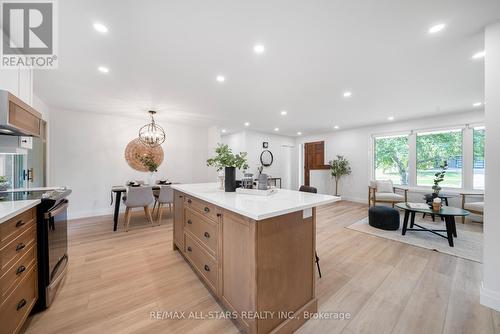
(473, 207)
(383, 191)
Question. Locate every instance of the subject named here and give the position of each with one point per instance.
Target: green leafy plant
(225, 157)
(338, 168)
(148, 161)
(3, 179)
(439, 177)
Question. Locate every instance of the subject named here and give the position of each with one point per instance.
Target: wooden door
(314, 158)
(178, 220)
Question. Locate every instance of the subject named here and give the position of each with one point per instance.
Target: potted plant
(338, 168)
(438, 178)
(150, 164)
(4, 183)
(225, 158)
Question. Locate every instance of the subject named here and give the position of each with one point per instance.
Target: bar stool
(313, 190)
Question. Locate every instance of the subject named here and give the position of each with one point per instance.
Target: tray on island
(257, 192)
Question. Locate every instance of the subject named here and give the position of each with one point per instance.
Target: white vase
(152, 178)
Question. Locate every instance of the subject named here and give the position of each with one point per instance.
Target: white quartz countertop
(254, 206)
(18, 190)
(13, 208)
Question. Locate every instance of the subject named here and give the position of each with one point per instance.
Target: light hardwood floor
(116, 279)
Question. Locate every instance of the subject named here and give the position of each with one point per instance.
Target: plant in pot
(339, 168)
(4, 183)
(438, 178)
(225, 159)
(150, 164)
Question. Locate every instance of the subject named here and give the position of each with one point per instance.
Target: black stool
(313, 190)
(383, 217)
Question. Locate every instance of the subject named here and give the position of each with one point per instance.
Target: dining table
(117, 191)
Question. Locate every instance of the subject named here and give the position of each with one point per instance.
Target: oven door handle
(57, 210)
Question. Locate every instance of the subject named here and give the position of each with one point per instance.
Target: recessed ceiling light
(299, 133)
(103, 69)
(99, 27)
(347, 94)
(247, 124)
(336, 127)
(223, 130)
(259, 49)
(284, 113)
(477, 104)
(220, 78)
(436, 28)
(479, 55)
(390, 118)
(276, 129)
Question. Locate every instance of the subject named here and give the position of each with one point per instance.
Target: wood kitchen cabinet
(18, 270)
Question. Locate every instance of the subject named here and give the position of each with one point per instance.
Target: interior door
(314, 156)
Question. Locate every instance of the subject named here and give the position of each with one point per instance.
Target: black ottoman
(383, 217)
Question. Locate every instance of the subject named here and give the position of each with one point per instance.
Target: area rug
(468, 245)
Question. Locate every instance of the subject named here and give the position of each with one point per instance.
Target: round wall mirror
(266, 158)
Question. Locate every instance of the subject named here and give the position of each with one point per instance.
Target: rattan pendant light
(152, 134)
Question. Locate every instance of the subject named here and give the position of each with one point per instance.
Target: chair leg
(317, 263)
(127, 218)
(148, 214)
(159, 213)
(463, 219)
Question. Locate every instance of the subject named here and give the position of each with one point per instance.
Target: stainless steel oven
(52, 246)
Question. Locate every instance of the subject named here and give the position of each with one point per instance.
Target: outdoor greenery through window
(478, 180)
(433, 148)
(391, 159)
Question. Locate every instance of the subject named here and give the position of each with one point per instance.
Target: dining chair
(137, 197)
(309, 189)
(165, 196)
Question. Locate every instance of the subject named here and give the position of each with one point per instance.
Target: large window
(433, 149)
(478, 158)
(391, 159)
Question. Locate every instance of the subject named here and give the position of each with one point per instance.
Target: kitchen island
(254, 253)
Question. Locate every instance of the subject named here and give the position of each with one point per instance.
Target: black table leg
(454, 226)
(405, 222)
(412, 219)
(449, 229)
(117, 209)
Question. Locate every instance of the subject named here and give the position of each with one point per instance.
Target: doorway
(314, 159)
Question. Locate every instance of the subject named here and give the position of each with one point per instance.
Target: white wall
(282, 148)
(355, 145)
(87, 155)
(490, 290)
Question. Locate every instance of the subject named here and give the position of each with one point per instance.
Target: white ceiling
(165, 55)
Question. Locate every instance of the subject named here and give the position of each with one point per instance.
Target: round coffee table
(448, 213)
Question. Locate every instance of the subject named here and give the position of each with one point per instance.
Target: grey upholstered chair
(165, 196)
(309, 189)
(138, 197)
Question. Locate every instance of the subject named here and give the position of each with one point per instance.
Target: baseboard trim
(489, 298)
(354, 199)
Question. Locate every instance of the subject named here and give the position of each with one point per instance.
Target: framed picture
(265, 144)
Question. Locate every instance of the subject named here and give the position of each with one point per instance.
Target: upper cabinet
(18, 82)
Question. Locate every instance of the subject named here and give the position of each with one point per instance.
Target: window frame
(474, 128)
(374, 153)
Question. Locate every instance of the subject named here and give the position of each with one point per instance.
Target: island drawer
(15, 249)
(205, 230)
(16, 225)
(11, 278)
(204, 208)
(18, 305)
(204, 263)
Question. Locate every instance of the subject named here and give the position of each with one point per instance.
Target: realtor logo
(28, 34)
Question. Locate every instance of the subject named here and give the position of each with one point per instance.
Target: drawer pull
(21, 304)
(207, 235)
(180, 196)
(207, 210)
(219, 215)
(20, 246)
(207, 268)
(20, 270)
(189, 249)
(189, 201)
(189, 221)
(20, 223)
